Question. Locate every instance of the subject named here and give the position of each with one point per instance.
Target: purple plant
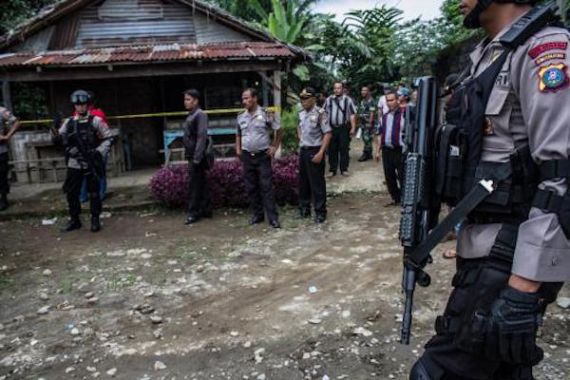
(169, 185)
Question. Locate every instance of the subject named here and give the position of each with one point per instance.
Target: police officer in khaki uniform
(314, 135)
(514, 249)
(256, 149)
(87, 139)
(8, 126)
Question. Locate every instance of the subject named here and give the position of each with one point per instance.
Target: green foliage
(30, 102)
(244, 9)
(13, 12)
(359, 50)
(285, 20)
(289, 124)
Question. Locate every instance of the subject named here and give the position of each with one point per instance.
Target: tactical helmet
(80, 97)
(472, 20)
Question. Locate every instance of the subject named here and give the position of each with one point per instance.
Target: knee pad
(420, 372)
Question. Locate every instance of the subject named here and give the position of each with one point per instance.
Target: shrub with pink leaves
(169, 186)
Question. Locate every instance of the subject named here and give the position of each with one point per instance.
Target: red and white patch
(549, 46)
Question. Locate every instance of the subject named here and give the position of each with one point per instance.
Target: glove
(514, 321)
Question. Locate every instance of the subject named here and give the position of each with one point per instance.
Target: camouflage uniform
(366, 108)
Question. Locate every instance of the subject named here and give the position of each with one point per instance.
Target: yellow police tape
(220, 111)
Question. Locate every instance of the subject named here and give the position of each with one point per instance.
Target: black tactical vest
(81, 135)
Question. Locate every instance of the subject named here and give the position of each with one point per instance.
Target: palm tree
(286, 19)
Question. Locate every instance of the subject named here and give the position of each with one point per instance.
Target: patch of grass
(5, 282)
(187, 256)
(119, 281)
(66, 284)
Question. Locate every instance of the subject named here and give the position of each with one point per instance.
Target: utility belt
(386, 147)
(260, 153)
(311, 148)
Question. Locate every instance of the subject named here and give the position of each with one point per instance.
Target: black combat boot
(3, 202)
(95, 224)
(320, 218)
(364, 157)
(72, 225)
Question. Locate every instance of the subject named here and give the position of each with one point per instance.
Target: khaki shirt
(313, 124)
(103, 132)
(530, 104)
(255, 129)
(6, 120)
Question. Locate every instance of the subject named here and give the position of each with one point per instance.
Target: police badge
(553, 77)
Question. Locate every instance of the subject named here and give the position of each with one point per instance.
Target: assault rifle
(420, 231)
(419, 206)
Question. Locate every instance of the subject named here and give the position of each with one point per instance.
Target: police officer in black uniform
(507, 130)
(86, 139)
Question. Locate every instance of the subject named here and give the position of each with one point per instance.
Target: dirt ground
(149, 298)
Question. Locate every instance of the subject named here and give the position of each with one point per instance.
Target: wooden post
(277, 88)
(277, 99)
(7, 100)
(264, 88)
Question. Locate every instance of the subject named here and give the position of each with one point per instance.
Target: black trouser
(339, 147)
(312, 184)
(4, 170)
(258, 178)
(393, 171)
(72, 188)
(199, 203)
(477, 285)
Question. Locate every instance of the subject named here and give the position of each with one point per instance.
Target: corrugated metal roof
(151, 53)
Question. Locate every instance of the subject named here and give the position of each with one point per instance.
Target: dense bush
(289, 123)
(169, 185)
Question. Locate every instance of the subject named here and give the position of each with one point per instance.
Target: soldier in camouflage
(365, 117)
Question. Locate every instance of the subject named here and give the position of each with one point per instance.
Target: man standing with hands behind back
(195, 144)
(390, 143)
(342, 117)
(256, 149)
(315, 136)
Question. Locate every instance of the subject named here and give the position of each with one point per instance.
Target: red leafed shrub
(169, 185)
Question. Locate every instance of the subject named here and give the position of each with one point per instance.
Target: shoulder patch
(549, 46)
(549, 57)
(553, 77)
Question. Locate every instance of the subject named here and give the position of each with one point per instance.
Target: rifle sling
(418, 258)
